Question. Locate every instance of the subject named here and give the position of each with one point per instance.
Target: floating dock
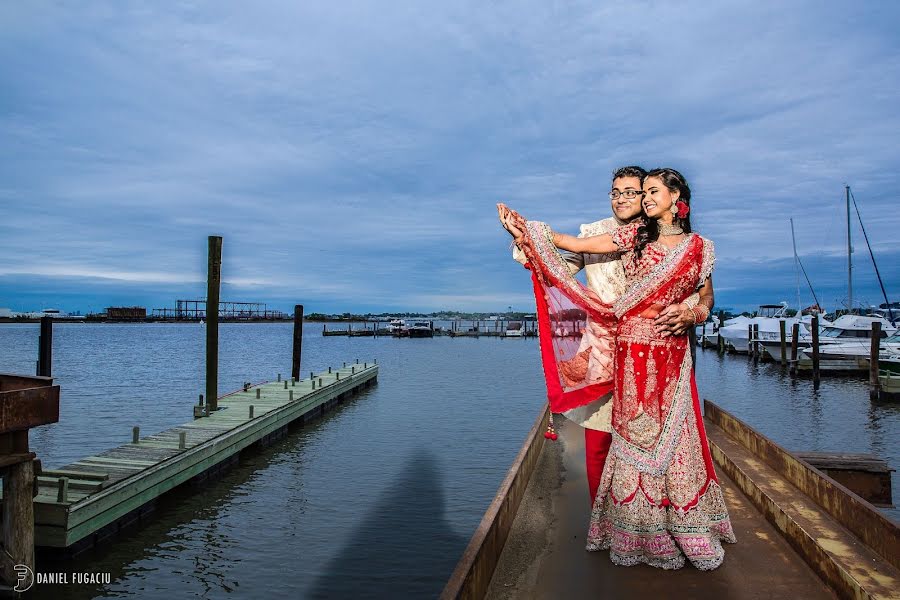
(81, 503)
(800, 534)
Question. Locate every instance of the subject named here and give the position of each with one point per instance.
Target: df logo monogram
(26, 578)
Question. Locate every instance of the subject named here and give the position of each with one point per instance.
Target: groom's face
(626, 208)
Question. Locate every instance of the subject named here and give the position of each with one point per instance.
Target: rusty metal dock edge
(859, 517)
(473, 573)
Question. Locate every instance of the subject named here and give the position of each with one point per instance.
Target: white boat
(850, 344)
(514, 329)
(397, 327)
(737, 334)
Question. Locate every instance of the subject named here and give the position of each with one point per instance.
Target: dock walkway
(800, 534)
(85, 501)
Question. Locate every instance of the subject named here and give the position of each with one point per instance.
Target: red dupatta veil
(567, 311)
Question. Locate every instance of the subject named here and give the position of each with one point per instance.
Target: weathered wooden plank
(75, 474)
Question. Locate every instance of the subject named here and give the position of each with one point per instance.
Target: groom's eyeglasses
(629, 194)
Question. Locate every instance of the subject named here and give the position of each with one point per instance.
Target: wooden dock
(90, 499)
(801, 534)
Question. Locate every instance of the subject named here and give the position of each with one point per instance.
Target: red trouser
(596, 448)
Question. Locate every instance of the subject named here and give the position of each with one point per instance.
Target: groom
(606, 277)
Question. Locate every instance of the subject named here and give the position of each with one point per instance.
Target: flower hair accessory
(683, 209)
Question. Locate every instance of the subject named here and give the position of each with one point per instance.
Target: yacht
(420, 329)
(848, 344)
(398, 328)
(845, 345)
(737, 334)
(514, 329)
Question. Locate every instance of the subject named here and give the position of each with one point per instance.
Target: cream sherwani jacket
(606, 277)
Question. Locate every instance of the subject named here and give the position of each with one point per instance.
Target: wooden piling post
(62, 489)
(213, 281)
(251, 411)
(782, 326)
(135, 434)
(329, 368)
(279, 378)
(795, 340)
(291, 396)
(815, 348)
(258, 392)
(750, 340)
(200, 400)
(298, 341)
(182, 440)
(18, 519)
(285, 384)
(45, 348)
(873, 359)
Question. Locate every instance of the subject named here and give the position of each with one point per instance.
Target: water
(380, 497)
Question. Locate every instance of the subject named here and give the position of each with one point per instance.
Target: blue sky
(351, 153)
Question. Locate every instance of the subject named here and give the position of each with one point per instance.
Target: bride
(659, 499)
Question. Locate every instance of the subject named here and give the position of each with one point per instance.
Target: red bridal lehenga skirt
(659, 500)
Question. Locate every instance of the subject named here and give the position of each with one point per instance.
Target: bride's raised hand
(511, 220)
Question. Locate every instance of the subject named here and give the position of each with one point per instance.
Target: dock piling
(795, 335)
(279, 378)
(298, 341)
(182, 440)
(135, 434)
(213, 280)
(783, 335)
(750, 340)
(45, 348)
(291, 395)
(62, 489)
(285, 384)
(329, 368)
(251, 411)
(258, 391)
(873, 360)
(815, 348)
(200, 401)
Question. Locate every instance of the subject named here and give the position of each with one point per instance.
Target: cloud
(352, 154)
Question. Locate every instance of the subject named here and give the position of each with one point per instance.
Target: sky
(351, 154)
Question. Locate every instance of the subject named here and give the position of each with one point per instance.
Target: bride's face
(657, 198)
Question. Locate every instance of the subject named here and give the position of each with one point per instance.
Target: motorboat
(420, 329)
(514, 329)
(398, 328)
(849, 346)
(737, 334)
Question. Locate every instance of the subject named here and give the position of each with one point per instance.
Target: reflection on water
(378, 497)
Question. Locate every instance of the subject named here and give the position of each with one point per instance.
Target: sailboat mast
(849, 255)
(797, 269)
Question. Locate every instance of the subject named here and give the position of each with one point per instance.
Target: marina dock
(90, 499)
(800, 534)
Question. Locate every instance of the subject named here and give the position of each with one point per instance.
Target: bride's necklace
(666, 229)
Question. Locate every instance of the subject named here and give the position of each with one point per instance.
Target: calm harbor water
(376, 499)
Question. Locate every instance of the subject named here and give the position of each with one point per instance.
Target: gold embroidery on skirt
(642, 429)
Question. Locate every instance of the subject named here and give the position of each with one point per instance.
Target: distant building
(126, 313)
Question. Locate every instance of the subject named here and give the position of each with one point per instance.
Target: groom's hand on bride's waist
(674, 319)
